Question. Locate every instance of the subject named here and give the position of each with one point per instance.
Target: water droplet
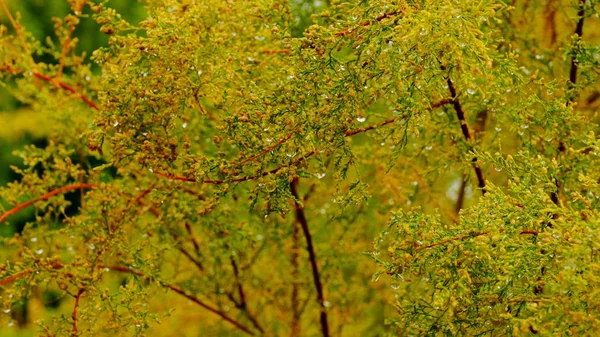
(326, 304)
(33, 239)
(87, 78)
(470, 91)
(268, 140)
(524, 126)
(250, 59)
(291, 155)
(151, 170)
(259, 38)
(184, 125)
(361, 119)
(259, 237)
(115, 124)
(395, 287)
(498, 169)
(498, 129)
(199, 72)
(428, 148)
(6, 311)
(321, 175)
(39, 251)
(91, 246)
(11, 324)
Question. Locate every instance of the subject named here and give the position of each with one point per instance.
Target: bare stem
(44, 197)
(74, 314)
(464, 127)
(301, 219)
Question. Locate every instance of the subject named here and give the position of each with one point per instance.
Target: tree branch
(464, 127)
(44, 197)
(471, 235)
(348, 133)
(74, 314)
(301, 219)
(554, 195)
(191, 298)
(61, 84)
(579, 33)
(243, 304)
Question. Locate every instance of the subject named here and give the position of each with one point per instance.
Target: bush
(231, 176)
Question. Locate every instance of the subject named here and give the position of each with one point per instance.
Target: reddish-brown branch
(276, 51)
(235, 180)
(211, 309)
(471, 235)
(367, 23)
(270, 148)
(464, 127)
(44, 197)
(192, 259)
(67, 40)
(295, 300)
(579, 33)
(15, 277)
(306, 156)
(458, 238)
(191, 298)
(24, 273)
(61, 84)
(243, 305)
(194, 242)
(301, 219)
(392, 120)
(554, 196)
(74, 314)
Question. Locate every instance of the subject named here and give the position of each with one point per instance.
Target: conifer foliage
(401, 167)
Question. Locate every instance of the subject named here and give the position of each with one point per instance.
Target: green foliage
(232, 163)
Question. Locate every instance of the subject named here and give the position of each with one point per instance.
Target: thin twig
(301, 219)
(579, 33)
(61, 84)
(243, 305)
(44, 197)
(270, 148)
(464, 127)
(555, 195)
(193, 299)
(472, 235)
(306, 156)
(74, 314)
(295, 300)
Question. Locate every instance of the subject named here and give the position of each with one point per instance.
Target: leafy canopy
(232, 168)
